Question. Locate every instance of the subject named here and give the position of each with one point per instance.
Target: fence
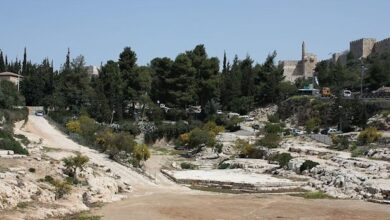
(325, 139)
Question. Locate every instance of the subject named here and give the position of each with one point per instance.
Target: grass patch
(313, 195)
(164, 151)
(22, 139)
(22, 205)
(82, 216)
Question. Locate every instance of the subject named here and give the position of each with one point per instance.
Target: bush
(113, 143)
(230, 124)
(316, 195)
(49, 179)
(340, 142)
(273, 118)
(223, 166)
(131, 127)
(358, 151)
(187, 166)
(31, 170)
(307, 165)
(61, 187)
(198, 137)
(273, 128)
(213, 127)
(7, 142)
(282, 159)
(73, 126)
(140, 153)
(312, 125)
(369, 135)
(247, 150)
(270, 140)
(23, 139)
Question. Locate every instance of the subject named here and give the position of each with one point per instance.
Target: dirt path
(39, 128)
(163, 199)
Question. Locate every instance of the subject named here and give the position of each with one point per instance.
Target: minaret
(303, 62)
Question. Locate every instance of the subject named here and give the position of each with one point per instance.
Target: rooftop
(10, 74)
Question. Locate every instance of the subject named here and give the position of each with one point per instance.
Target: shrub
(307, 165)
(73, 163)
(140, 153)
(22, 205)
(273, 118)
(62, 188)
(130, 127)
(340, 142)
(316, 195)
(113, 143)
(198, 137)
(358, 151)
(187, 166)
(7, 142)
(270, 140)
(273, 128)
(73, 126)
(223, 166)
(213, 127)
(184, 138)
(49, 179)
(31, 170)
(312, 125)
(22, 138)
(245, 149)
(282, 159)
(369, 135)
(230, 124)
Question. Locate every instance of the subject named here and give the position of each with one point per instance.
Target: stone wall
(340, 57)
(382, 46)
(362, 47)
(309, 64)
(292, 69)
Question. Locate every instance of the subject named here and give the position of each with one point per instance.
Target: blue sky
(153, 28)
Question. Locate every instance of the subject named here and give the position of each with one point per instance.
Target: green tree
(75, 162)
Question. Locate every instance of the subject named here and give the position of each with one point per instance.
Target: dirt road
(163, 199)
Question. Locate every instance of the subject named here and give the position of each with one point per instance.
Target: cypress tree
(67, 62)
(2, 64)
(224, 62)
(24, 68)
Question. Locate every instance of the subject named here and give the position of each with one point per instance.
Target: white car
(347, 93)
(232, 114)
(295, 131)
(333, 131)
(219, 112)
(39, 113)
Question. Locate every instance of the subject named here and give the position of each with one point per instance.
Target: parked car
(39, 113)
(327, 131)
(247, 118)
(333, 131)
(219, 112)
(297, 132)
(347, 93)
(232, 114)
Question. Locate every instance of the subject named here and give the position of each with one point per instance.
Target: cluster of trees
(124, 90)
(338, 76)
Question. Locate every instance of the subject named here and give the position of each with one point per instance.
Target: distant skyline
(100, 30)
